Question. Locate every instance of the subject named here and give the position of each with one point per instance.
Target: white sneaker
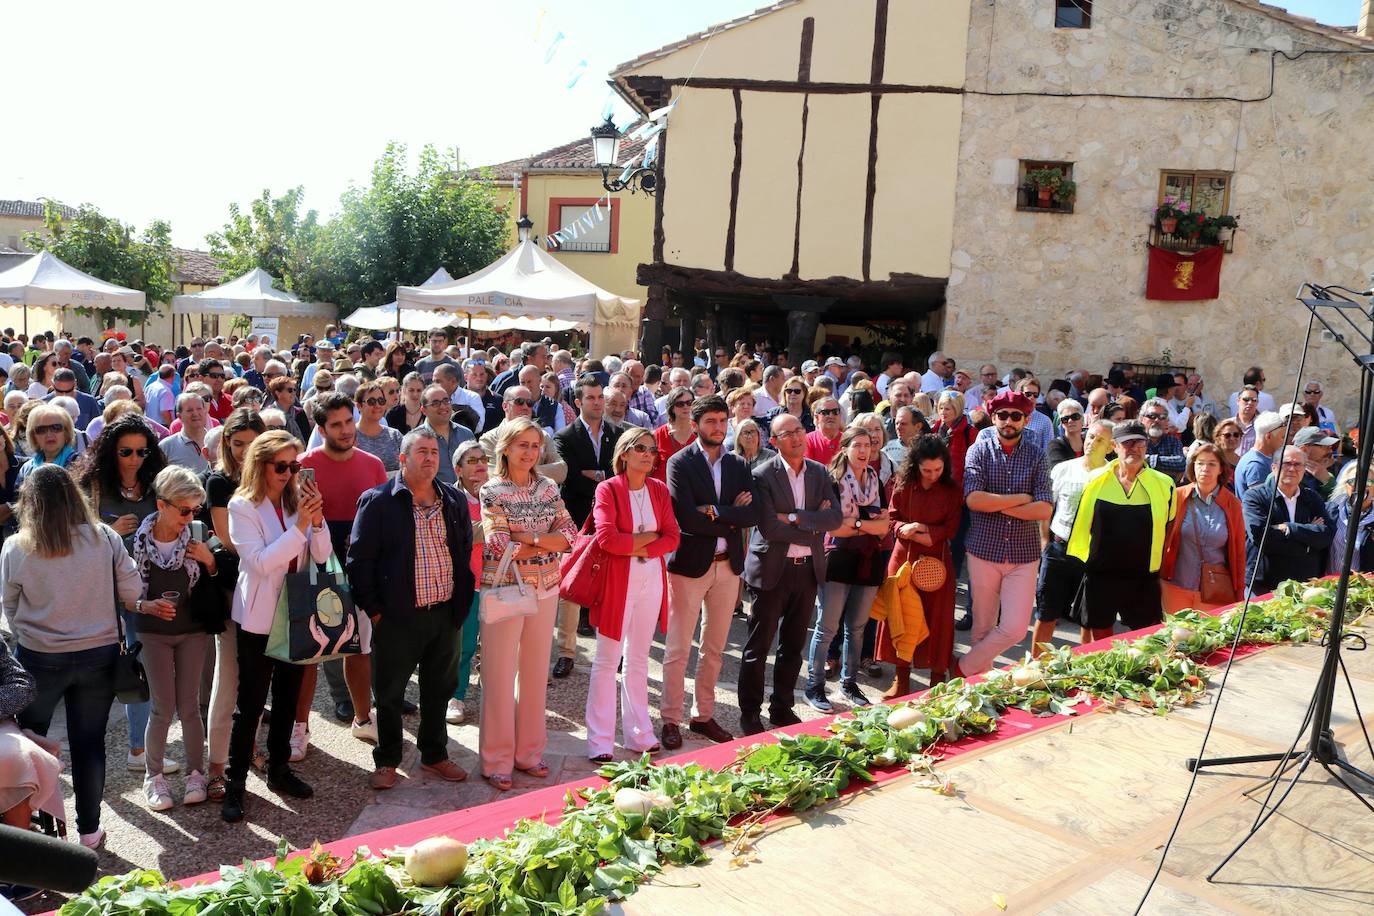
(156, 793)
(137, 763)
(300, 740)
(93, 840)
(366, 731)
(455, 713)
(196, 788)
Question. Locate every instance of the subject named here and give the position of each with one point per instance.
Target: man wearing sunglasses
(1300, 528)
(65, 385)
(1007, 491)
(824, 441)
(519, 401)
(212, 371)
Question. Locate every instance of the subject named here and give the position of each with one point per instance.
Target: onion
(662, 801)
(1135, 652)
(1027, 676)
(633, 801)
(1181, 635)
(436, 861)
(905, 717)
(1230, 615)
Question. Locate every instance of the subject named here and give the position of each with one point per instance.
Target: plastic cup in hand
(172, 598)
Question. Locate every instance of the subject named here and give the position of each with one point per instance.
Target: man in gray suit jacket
(783, 570)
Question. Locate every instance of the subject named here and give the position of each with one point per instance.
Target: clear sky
(158, 109)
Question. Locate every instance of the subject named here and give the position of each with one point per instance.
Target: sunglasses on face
(73, 388)
(1248, 400)
(375, 402)
(1313, 391)
(140, 452)
(45, 430)
(1152, 416)
(1293, 465)
(290, 390)
(218, 375)
(828, 412)
(1228, 435)
(437, 405)
(522, 402)
(644, 448)
(1071, 418)
(683, 403)
(285, 467)
(183, 511)
(1014, 415)
(792, 391)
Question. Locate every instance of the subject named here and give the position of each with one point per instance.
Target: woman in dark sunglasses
(372, 437)
(116, 474)
(675, 435)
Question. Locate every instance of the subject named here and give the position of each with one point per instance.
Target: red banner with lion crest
(1178, 276)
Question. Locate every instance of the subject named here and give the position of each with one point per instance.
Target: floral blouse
(509, 508)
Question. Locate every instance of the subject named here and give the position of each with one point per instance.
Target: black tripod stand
(1338, 313)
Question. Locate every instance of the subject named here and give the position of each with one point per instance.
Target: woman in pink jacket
(636, 526)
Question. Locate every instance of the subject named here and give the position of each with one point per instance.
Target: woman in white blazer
(276, 521)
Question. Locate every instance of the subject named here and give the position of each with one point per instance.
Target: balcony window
(1056, 178)
(596, 239)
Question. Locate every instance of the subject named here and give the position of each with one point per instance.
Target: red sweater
(615, 535)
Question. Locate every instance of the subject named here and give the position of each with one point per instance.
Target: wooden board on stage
(1070, 820)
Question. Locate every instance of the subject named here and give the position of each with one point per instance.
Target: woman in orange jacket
(1208, 528)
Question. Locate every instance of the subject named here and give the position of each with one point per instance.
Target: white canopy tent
(383, 317)
(252, 295)
(527, 288)
(44, 281)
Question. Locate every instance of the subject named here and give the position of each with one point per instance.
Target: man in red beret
(1007, 490)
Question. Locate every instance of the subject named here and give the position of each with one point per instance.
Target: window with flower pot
(1073, 14)
(1193, 210)
(1045, 186)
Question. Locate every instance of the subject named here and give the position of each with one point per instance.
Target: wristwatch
(138, 606)
(536, 540)
(858, 525)
(791, 518)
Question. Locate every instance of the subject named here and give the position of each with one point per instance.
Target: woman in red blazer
(1208, 526)
(635, 525)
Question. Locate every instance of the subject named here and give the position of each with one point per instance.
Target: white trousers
(642, 603)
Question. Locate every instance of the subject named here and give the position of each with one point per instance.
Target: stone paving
(187, 841)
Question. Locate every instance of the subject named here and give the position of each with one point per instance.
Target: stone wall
(1054, 291)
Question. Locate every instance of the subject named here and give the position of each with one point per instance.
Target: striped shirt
(508, 508)
(643, 400)
(433, 565)
(995, 536)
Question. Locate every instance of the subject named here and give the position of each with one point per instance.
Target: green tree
(402, 226)
(106, 248)
(272, 235)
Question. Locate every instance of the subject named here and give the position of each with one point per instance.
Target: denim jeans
(84, 682)
(842, 605)
(137, 713)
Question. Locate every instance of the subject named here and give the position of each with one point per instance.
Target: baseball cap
(1267, 422)
(810, 366)
(324, 345)
(1129, 431)
(1314, 435)
(833, 361)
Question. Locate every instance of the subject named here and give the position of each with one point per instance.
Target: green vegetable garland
(597, 854)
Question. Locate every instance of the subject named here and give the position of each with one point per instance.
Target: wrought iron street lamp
(606, 152)
(523, 226)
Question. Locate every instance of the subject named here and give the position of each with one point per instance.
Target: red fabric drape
(1176, 276)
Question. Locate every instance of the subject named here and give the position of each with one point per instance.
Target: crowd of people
(833, 504)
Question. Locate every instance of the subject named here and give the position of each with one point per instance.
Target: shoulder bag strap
(114, 591)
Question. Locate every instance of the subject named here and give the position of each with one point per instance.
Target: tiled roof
(572, 156)
(698, 36)
(196, 267)
(32, 208)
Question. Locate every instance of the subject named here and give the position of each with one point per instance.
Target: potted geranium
(1065, 193)
(1044, 182)
(1168, 213)
(1222, 227)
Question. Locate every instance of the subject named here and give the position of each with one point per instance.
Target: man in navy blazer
(1299, 527)
(713, 501)
(408, 566)
(783, 571)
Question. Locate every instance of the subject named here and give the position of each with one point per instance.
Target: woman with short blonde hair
(51, 439)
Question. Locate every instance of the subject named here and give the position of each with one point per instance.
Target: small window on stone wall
(1045, 186)
(1073, 14)
(1203, 192)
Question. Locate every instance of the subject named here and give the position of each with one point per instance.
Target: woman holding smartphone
(276, 523)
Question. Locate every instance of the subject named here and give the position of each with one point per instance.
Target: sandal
(602, 758)
(214, 789)
(501, 782)
(538, 771)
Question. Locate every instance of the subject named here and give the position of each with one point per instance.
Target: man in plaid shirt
(642, 398)
(1007, 490)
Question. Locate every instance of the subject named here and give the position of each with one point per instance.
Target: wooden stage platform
(1071, 820)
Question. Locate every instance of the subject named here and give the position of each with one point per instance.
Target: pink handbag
(582, 570)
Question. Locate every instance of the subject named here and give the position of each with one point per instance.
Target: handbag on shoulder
(130, 680)
(582, 570)
(1214, 584)
(506, 602)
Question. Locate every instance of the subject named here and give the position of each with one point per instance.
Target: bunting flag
(1182, 277)
(552, 52)
(576, 73)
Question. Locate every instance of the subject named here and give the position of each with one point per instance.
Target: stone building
(835, 166)
(1268, 115)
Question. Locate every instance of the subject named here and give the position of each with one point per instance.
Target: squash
(436, 861)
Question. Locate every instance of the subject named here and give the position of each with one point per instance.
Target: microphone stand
(1327, 305)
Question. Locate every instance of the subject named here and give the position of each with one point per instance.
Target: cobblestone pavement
(187, 841)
